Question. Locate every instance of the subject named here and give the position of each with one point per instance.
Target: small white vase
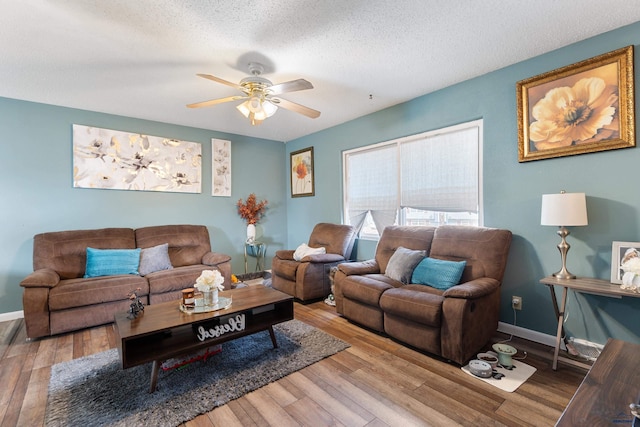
(251, 233)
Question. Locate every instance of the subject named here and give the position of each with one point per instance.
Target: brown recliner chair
(308, 279)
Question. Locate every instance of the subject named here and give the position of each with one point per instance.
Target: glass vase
(210, 298)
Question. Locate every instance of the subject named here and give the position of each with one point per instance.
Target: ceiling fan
(260, 95)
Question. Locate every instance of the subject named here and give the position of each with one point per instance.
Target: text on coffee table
(235, 324)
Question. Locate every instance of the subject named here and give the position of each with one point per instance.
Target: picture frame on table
(581, 108)
(302, 181)
(620, 253)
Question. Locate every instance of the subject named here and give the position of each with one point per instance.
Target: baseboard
(528, 334)
(5, 317)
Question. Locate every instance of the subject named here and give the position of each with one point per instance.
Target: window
(433, 178)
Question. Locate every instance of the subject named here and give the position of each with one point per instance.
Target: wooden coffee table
(162, 331)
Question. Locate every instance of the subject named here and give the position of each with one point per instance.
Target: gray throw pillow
(154, 259)
(402, 263)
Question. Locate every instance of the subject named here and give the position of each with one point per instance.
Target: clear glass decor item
(210, 298)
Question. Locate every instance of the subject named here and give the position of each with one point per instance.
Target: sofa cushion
(413, 304)
(65, 252)
(111, 262)
(155, 258)
(402, 263)
(438, 273)
(368, 289)
(175, 279)
(187, 243)
(72, 293)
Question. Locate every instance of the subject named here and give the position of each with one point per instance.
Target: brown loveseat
(57, 298)
(454, 323)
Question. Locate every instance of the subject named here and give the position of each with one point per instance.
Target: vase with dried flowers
(251, 211)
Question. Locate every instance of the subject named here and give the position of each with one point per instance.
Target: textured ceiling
(140, 58)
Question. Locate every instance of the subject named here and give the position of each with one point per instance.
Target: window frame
(478, 123)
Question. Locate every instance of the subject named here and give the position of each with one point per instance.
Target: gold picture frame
(581, 108)
(302, 182)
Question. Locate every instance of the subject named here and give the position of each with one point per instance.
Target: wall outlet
(516, 303)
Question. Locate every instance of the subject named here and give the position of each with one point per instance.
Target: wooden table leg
(155, 368)
(273, 337)
(561, 309)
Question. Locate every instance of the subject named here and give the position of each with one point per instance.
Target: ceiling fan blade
(292, 106)
(219, 80)
(216, 101)
(292, 86)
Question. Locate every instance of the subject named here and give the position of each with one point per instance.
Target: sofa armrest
(473, 289)
(323, 258)
(215, 258)
(286, 254)
(42, 278)
(359, 267)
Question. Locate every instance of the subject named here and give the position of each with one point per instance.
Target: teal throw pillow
(110, 262)
(438, 273)
(402, 262)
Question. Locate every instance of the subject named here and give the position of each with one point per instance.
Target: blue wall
(38, 194)
(512, 190)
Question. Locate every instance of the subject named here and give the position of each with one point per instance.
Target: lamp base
(563, 247)
(564, 275)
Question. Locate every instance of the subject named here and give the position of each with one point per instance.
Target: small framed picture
(302, 173)
(621, 253)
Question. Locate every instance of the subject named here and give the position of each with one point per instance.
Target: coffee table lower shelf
(163, 331)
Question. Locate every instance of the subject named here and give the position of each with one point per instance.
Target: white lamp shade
(564, 209)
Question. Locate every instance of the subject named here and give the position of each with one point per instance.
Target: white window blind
(440, 173)
(422, 179)
(373, 189)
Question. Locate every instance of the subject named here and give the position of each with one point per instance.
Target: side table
(580, 285)
(256, 250)
(610, 386)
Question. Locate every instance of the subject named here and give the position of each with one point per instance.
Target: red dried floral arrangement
(252, 210)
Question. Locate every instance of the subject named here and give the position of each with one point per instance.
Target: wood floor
(376, 382)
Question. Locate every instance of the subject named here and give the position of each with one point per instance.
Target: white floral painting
(221, 167)
(119, 160)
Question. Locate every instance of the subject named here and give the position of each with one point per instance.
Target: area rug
(512, 379)
(96, 391)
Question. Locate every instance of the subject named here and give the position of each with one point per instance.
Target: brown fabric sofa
(455, 323)
(57, 298)
(308, 279)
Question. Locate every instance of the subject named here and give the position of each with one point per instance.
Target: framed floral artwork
(121, 160)
(625, 257)
(220, 167)
(581, 108)
(302, 183)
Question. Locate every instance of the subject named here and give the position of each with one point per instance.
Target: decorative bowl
(490, 358)
(480, 368)
(504, 354)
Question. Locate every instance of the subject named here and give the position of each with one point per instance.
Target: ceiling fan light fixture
(257, 109)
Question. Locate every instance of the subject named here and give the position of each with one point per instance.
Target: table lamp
(562, 210)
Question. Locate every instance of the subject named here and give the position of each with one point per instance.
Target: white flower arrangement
(210, 280)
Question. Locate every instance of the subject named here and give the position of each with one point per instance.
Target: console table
(581, 285)
(611, 385)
